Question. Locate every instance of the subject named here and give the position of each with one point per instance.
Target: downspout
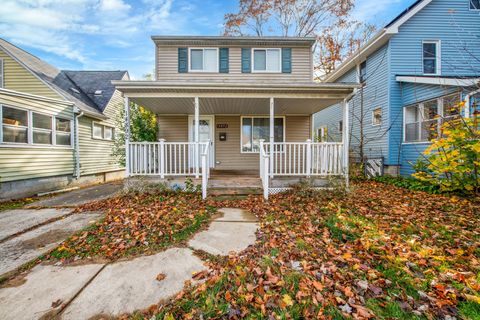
(77, 145)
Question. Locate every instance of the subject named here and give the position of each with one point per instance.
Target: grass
(16, 204)
(469, 310)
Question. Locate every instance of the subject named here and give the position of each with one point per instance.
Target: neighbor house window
(475, 4)
(377, 117)
(63, 132)
(322, 134)
(33, 128)
(340, 126)
(423, 121)
(431, 57)
(103, 132)
(203, 59)
(14, 125)
(42, 128)
(362, 72)
(256, 128)
(1, 74)
(267, 60)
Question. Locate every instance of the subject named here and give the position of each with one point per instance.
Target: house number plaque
(222, 126)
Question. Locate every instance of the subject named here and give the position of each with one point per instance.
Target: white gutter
(77, 145)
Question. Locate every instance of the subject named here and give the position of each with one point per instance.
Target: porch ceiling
(216, 98)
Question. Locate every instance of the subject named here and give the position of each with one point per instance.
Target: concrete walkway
(81, 196)
(91, 291)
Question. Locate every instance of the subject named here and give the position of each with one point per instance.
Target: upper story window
(377, 117)
(431, 57)
(474, 4)
(1, 74)
(267, 60)
(203, 59)
(22, 126)
(362, 72)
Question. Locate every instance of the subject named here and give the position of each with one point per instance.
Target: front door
(206, 133)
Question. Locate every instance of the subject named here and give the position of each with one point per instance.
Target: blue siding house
(426, 59)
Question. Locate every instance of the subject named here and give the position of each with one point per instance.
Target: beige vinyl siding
(17, 78)
(96, 154)
(167, 68)
(173, 128)
(227, 153)
(27, 162)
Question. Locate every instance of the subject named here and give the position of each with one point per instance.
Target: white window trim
(438, 57)
(262, 117)
(280, 57)
(373, 117)
(217, 68)
(30, 129)
(2, 74)
(474, 9)
(103, 131)
(420, 107)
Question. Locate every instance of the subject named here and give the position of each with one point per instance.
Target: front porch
(261, 129)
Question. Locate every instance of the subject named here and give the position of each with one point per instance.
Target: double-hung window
(102, 132)
(267, 60)
(474, 4)
(431, 57)
(42, 128)
(377, 117)
(255, 129)
(203, 60)
(14, 125)
(63, 132)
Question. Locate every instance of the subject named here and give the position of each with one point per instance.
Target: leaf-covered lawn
(379, 252)
(136, 224)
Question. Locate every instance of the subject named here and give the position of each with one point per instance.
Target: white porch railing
(305, 159)
(169, 159)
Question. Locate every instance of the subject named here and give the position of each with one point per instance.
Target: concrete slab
(233, 230)
(132, 285)
(235, 215)
(19, 250)
(15, 221)
(80, 196)
(45, 290)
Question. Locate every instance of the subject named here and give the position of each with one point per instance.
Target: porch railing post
(308, 167)
(272, 134)
(197, 137)
(265, 177)
(127, 136)
(162, 158)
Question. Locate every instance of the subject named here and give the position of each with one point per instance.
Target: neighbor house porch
(265, 130)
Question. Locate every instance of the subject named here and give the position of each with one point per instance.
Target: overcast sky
(115, 34)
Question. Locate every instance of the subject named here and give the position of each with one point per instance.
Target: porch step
(234, 185)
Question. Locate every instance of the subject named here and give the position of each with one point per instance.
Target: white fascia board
(456, 82)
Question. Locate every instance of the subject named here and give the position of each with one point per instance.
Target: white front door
(206, 133)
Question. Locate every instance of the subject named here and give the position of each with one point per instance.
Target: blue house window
(431, 57)
(362, 72)
(474, 4)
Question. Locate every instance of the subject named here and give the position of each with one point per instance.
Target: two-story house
(412, 72)
(57, 126)
(242, 104)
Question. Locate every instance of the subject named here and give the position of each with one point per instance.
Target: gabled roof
(71, 85)
(376, 42)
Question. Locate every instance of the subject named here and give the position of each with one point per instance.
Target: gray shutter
(224, 63)
(286, 60)
(182, 60)
(246, 60)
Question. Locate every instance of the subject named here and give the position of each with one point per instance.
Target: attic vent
(75, 90)
(98, 92)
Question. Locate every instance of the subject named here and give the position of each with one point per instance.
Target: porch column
(272, 133)
(127, 136)
(346, 141)
(197, 137)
